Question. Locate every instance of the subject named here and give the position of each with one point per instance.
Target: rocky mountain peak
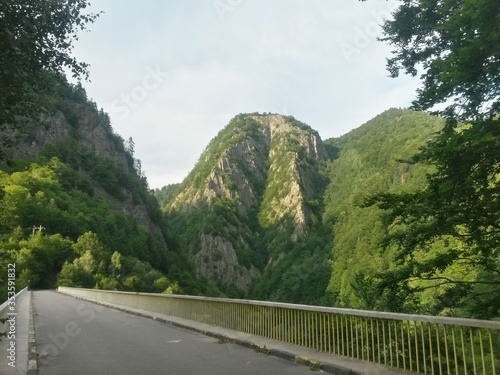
(256, 175)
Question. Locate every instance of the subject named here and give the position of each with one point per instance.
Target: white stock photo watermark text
(364, 35)
(126, 103)
(10, 331)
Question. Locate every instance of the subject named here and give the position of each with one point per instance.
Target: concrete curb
(32, 352)
(297, 358)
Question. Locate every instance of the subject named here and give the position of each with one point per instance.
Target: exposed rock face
(261, 167)
(217, 261)
(33, 138)
(89, 128)
(291, 146)
(227, 177)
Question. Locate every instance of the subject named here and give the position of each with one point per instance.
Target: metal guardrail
(3, 306)
(418, 343)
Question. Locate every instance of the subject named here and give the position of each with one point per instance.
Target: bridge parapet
(418, 343)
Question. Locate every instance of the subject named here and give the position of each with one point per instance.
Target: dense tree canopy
(98, 224)
(456, 44)
(58, 231)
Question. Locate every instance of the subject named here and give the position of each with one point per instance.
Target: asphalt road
(76, 337)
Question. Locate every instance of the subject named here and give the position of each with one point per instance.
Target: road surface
(81, 338)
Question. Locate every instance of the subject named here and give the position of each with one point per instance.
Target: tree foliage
(97, 267)
(248, 188)
(367, 162)
(36, 38)
(100, 201)
(457, 46)
(459, 207)
(55, 219)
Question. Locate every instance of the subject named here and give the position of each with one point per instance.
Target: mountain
(75, 208)
(272, 212)
(254, 192)
(368, 162)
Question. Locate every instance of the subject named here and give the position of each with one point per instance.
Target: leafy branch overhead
(456, 46)
(36, 41)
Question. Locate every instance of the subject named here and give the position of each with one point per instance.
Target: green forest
(61, 221)
(75, 208)
(400, 214)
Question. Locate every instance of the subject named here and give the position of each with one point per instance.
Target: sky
(172, 73)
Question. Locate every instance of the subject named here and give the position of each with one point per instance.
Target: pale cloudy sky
(172, 73)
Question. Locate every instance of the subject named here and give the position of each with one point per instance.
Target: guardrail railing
(5, 305)
(418, 343)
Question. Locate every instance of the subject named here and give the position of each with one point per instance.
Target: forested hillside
(75, 210)
(253, 197)
(377, 259)
(370, 160)
(271, 212)
(267, 201)
(400, 214)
